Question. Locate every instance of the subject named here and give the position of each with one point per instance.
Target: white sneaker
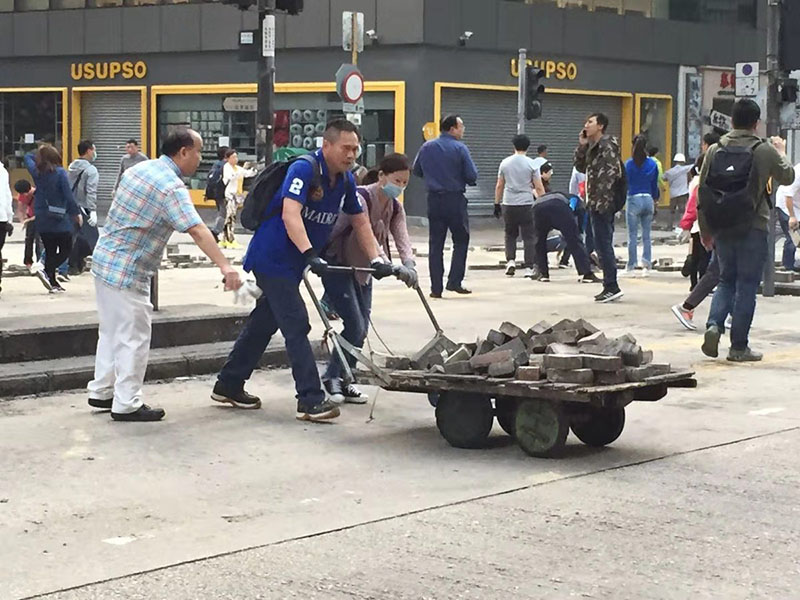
(511, 268)
(628, 273)
(728, 322)
(645, 272)
(529, 273)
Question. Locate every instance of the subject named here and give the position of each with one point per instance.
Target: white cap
(679, 157)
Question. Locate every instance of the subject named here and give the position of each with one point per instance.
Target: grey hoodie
(85, 191)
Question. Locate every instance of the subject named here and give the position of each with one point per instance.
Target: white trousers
(123, 346)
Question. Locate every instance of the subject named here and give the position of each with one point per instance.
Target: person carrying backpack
(215, 190)
(293, 208)
(598, 156)
(733, 211)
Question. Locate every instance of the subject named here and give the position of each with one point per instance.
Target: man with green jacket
(742, 250)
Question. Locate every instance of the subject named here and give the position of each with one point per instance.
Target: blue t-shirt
(271, 252)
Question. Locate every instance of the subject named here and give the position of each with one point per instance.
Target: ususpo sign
(557, 69)
(87, 71)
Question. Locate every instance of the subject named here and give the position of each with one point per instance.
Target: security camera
(462, 41)
(372, 35)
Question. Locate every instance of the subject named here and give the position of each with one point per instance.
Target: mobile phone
(583, 133)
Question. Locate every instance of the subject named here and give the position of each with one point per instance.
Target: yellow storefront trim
(627, 104)
(64, 111)
(75, 122)
(664, 201)
(398, 88)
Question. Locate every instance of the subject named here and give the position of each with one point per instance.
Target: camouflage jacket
(602, 165)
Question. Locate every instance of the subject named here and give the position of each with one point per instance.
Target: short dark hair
(336, 127)
(546, 168)
(180, 138)
(711, 138)
(22, 186)
(521, 142)
(392, 163)
(602, 119)
(448, 123)
(541, 149)
(746, 114)
(84, 146)
(652, 150)
(221, 152)
(132, 141)
(229, 152)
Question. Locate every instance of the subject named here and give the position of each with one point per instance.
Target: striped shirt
(151, 202)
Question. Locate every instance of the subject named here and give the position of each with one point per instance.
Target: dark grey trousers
(519, 222)
(706, 284)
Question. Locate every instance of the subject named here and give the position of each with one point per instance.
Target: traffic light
(533, 92)
(789, 59)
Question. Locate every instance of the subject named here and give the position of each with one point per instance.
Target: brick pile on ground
(574, 352)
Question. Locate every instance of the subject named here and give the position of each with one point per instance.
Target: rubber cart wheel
(464, 420)
(599, 427)
(541, 428)
(505, 410)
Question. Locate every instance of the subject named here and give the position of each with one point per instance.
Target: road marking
(766, 411)
(120, 541)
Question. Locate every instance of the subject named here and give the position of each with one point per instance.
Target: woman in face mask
(351, 295)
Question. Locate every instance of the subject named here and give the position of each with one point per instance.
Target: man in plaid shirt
(150, 203)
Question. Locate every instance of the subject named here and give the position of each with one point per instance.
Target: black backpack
(620, 189)
(266, 185)
(215, 188)
(726, 194)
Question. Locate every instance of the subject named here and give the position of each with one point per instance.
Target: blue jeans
(280, 307)
(603, 229)
(788, 245)
(639, 211)
(353, 302)
(741, 265)
(447, 211)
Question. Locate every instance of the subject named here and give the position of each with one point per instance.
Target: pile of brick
(567, 352)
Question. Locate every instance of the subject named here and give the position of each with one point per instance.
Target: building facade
(70, 71)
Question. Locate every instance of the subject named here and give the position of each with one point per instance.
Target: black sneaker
(44, 279)
(710, 345)
(145, 413)
(101, 404)
(353, 395)
(324, 411)
(334, 389)
(590, 278)
(608, 296)
(543, 278)
(239, 399)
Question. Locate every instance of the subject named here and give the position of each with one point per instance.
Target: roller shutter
(109, 119)
(490, 118)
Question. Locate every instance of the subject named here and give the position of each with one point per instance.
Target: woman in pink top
(351, 295)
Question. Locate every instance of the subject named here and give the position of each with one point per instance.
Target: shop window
(27, 119)
(300, 119)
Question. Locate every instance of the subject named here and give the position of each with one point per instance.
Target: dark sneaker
(42, 276)
(353, 395)
(436, 294)
(458, 290)
(144, 414)
(543, 278)
(590, 278)
(324, 411)
(239, 399)
(710, 345)
(746, 355)
(609, 296)
(62, 277)
(334, 389)
(101, 404)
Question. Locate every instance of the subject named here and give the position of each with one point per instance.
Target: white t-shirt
(518, 171)
(575, 181)
(793, 190)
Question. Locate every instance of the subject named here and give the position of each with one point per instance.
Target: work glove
(407, 273)
(498, 211)
(684, 236)
(92, 219)
(381, 269)
(318, 266)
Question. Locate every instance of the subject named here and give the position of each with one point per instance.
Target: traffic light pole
(266, 82)
(522, 62)
(773, 127)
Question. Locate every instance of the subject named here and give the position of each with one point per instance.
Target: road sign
(720, 120)
(268, 36)
(349, 84)
(353, 107)
(747, 80)
(348, 31)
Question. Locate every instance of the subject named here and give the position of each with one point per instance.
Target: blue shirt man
(447, 168)
(284, 245)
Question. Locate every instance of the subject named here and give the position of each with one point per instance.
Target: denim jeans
(788, 245)
(639, 211)
(280, 307)
(353, 302)
(741, 265)
(603, 229)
